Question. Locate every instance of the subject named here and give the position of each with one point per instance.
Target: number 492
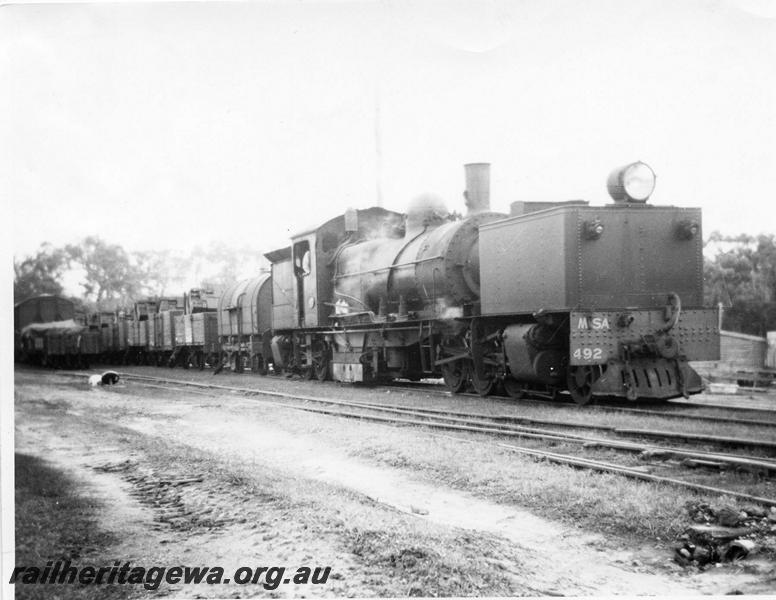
(588, 354)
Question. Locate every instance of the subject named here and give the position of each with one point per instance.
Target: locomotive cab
(303, 276)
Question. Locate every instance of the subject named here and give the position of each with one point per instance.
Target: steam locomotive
(552, 298)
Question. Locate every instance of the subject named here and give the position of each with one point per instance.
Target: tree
(161, 272)
(742, 277)
(41, 273)
(218, 265)
(110, 277)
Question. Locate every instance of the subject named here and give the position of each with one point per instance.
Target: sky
(167, 125)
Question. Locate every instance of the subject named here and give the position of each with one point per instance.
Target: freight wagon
(195, 329)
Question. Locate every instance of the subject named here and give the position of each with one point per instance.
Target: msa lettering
(597, 323)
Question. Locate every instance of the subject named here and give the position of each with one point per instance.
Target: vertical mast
(378, 148)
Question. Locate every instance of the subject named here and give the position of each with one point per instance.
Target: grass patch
(601, 502)
(428, 569)
(637, 511)
(404, 557)
(54, 522)
(398, 554)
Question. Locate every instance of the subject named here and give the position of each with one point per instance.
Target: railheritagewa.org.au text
(63, 572)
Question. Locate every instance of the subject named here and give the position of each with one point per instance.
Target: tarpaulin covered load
(67, 326)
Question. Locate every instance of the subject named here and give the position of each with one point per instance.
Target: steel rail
(736, 405)
(597, 441)
(555, 457)
(628, 472)
(551, 456)
(516, 418)
(748, 463)
(738, 461)
(668, 414)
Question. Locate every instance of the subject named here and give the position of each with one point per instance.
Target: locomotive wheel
(321, 359)
(456, 375)
(484, 360)
(483, 383)
(580, 383)
(322, 367)
(515, 389)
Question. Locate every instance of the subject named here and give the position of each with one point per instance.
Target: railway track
(500, 427)
(767, 445)
(670, 410)
(739, 405)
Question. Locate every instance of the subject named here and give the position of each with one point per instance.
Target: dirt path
(270, 493)
(539, 541)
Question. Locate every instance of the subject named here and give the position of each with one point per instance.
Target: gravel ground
(197, 478)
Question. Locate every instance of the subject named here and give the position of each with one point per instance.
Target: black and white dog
(107, 378)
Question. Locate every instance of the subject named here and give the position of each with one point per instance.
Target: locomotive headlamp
(594, 229)
(686, 230)
(632, 183)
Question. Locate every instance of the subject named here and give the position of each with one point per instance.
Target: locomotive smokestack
(477, 192)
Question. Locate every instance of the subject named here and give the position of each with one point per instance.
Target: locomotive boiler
(432, 270)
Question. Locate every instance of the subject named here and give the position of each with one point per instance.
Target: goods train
(554, 297)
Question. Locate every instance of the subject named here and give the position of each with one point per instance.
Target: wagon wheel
(580, 383)
(515, 389)
(221, 362)
(258, 364)
(237, 362)
(456, 375)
